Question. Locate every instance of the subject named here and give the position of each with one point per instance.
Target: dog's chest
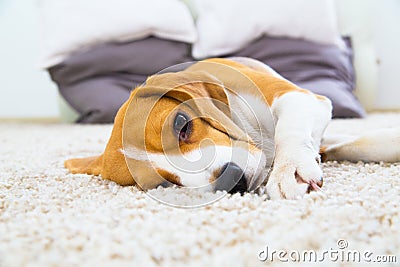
(253, 116)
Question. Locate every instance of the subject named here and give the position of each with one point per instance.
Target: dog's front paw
(291, 178)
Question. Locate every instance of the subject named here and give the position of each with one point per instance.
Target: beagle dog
(228, 124)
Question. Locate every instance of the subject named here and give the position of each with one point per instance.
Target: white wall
(387, 44)
(25, 90)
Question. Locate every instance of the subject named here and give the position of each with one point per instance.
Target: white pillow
(224, 26)
(70, 25)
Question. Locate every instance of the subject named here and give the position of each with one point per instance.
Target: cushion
(71, 25)
(224, 26)
(323, 69)
(357, 23)
(96, 82)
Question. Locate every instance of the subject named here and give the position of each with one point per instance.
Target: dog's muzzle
(231, 179)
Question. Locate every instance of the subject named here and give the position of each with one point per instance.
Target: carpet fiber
(49, 217)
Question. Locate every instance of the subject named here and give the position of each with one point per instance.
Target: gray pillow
(323, 69)
(96, 82)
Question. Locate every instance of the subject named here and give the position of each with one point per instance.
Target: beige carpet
(49, 217)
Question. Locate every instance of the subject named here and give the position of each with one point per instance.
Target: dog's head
(180, 128)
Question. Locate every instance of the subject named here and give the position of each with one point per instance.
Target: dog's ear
(187, 85)
(202, 91)
(111, 164)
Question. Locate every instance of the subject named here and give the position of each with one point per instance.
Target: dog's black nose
(232, 179)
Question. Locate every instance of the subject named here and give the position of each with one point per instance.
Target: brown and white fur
(239, 127)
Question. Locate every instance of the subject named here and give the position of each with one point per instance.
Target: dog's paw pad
(294, 180)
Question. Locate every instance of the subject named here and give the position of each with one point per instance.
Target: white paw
(291, 177)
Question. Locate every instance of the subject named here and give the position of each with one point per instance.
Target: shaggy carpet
(49, 217)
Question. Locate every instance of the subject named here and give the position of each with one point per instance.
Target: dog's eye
(182, 126)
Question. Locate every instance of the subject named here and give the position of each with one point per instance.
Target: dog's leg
(378, 145)
(301, 119)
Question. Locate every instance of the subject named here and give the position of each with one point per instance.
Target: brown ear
(183, 81)
(186, 85)
(111, 164)
(203, 91)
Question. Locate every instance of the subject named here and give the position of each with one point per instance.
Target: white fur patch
(195, 168)
(375, 145)
(254, 117)
(301, 120)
